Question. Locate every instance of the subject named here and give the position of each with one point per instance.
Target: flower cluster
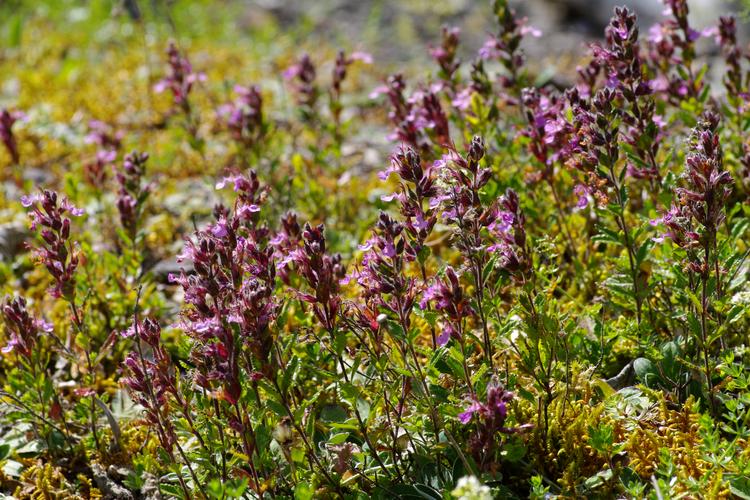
(104, 136)
(381, 274)
(230, 292)
(509, 228)
(339, 75)
(596, 125)
(447, 296)
(132, 192)
(505, 46)
(108, 143)
(672, 45)
(459, 199)
(244, 116)
(708, 185)
(734, 79)
(285, 243)
(57, 253)
(415, 118)
(23, 330)
(302, 75)
(417, 190)
(693, 222)
(623, 65)
(490, 416)
(181, 78)
(620, 57)
(445, 55)
(548, 130)
(7, 120)
(340, 68)
(678, 228)
(322, 273)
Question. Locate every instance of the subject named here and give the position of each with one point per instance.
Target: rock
(150, 488)
(109, 488)
(38, 176)
(12, 237)
(625, 378)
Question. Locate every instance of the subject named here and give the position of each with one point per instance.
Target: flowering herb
(7, 120)
(301, 76)
(244, 116)
(180, 82)
(132, 192)
(485, 311)
(445, 55)
(49, 214)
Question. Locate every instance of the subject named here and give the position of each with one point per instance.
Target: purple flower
(181, 78)
(447, 296)
(23, 329)
(693, 222)
(548, 130)
(152, 380)
(302, 77)
(132, 192)
(7, 120)
(734, 79)
(466, 416)
(672, 50)
(103, 136)
(445, 54)
(230, 293)
(340, 68)
(57, 252)
(490, 418)
(321, 273)
(244, 115)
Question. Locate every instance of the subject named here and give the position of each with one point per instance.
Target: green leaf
(333, 413)
(363, 407)
(276, 407)
(740, 487)
(13, 469)
(513, 450)
(338, 438)
(598, 479)
(15, 30)
(644, 370)
(32, 448)
(303, 491)
(601, 439)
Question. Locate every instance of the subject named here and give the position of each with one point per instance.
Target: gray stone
(12, 237)
(109, 488)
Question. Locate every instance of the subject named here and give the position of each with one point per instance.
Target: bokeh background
(395, 30)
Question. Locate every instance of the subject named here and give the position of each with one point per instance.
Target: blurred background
(395, 31)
